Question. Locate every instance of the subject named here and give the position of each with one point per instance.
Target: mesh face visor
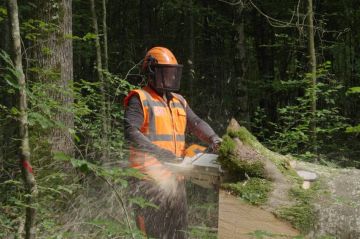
(167, 77)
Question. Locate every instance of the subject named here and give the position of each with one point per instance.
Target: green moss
(237, 168)
(281, 161)
(243, 134)
(255, 190)
(302, 214)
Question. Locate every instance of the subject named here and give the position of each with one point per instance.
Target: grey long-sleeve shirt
(134, 117)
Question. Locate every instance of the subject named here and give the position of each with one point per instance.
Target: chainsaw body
(200, 168)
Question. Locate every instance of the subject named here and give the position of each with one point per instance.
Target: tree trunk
(242, 110)
(191, 48)
(312, 63)
(99, 69)
(26, 169)
(106, 54)
(54, 56)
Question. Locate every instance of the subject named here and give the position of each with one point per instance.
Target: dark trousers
(166, 218)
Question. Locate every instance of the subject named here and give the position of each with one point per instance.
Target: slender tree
(99, 69)
(312, 63)
(26, 169)
(106, 54)
(191, 47)
(242, 110)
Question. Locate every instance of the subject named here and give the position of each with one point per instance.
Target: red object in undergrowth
(27, 166)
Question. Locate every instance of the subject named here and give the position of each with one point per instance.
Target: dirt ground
(238, 220)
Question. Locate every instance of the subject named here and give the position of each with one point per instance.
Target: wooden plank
(238, 219)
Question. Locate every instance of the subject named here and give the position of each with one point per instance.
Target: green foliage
(254, 191)
(87, 37)
(353, 129)
(354, 90)
(202, 232)
(292, 132)
(115, 175)
(89, 119)
(58, 186)
(11, 74)
(3, 13)
(142, 203)
(10, 206)
(35, 29)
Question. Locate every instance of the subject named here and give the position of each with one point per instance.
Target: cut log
(237, 219)
(273, 183)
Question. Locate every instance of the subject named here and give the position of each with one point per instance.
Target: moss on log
(265, 178)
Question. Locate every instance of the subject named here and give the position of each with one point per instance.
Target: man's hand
(215, 143)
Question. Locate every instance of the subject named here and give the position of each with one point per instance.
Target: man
(156, 120)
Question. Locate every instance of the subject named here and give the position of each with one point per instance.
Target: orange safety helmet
(162, 69)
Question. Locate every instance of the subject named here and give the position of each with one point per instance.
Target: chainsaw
(198, 166)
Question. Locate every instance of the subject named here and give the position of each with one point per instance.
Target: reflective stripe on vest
(164, 125)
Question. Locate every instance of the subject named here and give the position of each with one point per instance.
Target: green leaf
(14, 111)
(354, 129)
(353, 90)
(3, 11)
(37, 118)
(61, 156)
(89, 36)
(84, 166)
(61, 188)
(141, 202)
(73, 37)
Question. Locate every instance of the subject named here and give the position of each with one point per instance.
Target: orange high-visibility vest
(164, 125)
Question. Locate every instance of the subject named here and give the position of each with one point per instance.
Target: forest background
(250, 60)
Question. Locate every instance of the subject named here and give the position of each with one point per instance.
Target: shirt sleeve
(199, 127)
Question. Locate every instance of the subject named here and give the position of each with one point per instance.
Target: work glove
(215, 143)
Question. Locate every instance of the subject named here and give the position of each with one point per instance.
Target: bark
(99, 69)
(312, 63)
(191, 48)
(106, 54)
(106, 87)
(58, 60)
(26, 169)
(242, 109)
(329, 208)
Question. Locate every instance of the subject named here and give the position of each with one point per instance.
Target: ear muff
(151, 61)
